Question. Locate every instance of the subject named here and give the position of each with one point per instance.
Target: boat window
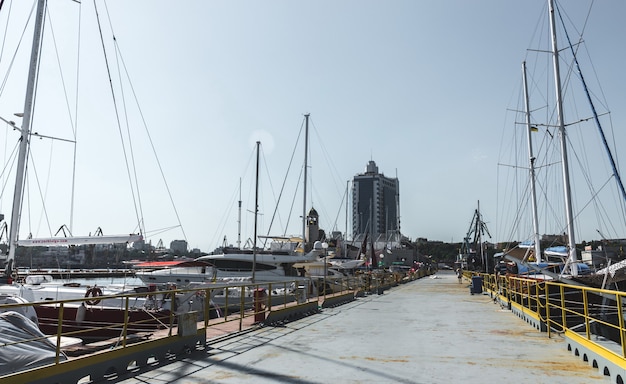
(240, 265)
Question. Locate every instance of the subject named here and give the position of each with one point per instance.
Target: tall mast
(256, 210)
(25, 138)
(398, 207)
(479, 237)
(596, 118)
(306, 151)
(531, 158)
(347, 202)
(239, 219)
(572, 259)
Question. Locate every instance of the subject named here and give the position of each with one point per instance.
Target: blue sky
(422, 88)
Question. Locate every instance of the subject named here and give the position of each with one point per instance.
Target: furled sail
(79, 240)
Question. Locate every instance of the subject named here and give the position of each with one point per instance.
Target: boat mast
(25, 138)
(479, 238)
(531, 158)
(344, 249)
(572, 259)
(596, 118)
(256, 210)
(239, 219)
(306, 151)
(347, 202)
(399, 233)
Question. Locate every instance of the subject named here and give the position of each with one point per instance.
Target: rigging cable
(117, 115)
(135, 187)
(595, 116)
(154, 151)
(282, 189)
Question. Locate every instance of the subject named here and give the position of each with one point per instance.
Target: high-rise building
(375, 203)
(178, 246)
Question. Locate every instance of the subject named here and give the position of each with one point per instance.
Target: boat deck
(431, 330)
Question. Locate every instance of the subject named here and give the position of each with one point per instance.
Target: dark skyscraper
(375, 203)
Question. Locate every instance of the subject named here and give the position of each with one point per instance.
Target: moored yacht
(232, 265)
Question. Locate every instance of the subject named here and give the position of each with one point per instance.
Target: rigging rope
(132, 173)
(282, 188)
(117, 114)
(595, 114)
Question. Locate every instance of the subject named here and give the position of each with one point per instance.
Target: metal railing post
(57, 357)
(563, 311)
(620, 319)
(549, 330)
(242, 295)
(127, 318)
(586, 313)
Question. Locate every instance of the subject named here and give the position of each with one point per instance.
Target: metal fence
(591, 320)
(151, 326)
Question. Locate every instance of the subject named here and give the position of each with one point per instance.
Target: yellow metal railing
(592, 313)
(241, 305)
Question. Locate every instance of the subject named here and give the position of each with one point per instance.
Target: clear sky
(420, 87)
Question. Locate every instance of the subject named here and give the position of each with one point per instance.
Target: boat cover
(23, 344)
(558, 250)
(527, 244)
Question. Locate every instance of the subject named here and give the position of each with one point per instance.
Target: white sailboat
(26, 136)
(22, 165)
(96, 311)
(533, 256)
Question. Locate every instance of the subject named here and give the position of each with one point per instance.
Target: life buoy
(93, 292)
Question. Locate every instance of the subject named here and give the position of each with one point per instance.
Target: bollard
(260, 298)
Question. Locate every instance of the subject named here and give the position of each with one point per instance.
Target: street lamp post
(325, 247)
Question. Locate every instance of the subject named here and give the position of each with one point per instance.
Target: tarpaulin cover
(22, 345)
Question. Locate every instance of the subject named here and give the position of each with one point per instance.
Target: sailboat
(26, 137)
(238, 266)
(532, 257)
(271, 265)
(528, 259)
(90, 315)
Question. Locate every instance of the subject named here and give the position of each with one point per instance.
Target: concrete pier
(430, 330)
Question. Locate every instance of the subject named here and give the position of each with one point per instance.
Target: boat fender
(80, 313)
(93, 292)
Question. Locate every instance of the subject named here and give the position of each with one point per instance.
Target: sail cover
(79, 240)
(23, 344)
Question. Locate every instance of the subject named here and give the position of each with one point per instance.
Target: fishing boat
(472, 255)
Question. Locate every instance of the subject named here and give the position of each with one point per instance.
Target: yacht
(233, 265)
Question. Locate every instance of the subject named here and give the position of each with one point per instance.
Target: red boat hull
(100, 323)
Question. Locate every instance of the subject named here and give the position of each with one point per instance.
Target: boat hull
(100, 323)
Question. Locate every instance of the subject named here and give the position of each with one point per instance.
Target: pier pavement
(430, 330)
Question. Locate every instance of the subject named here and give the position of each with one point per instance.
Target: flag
(363, 251)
